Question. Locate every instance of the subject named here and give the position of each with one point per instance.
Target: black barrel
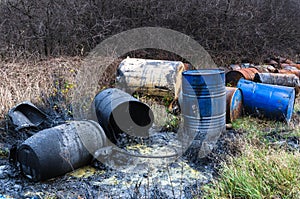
(58, 150)
(118, 112)
(204, 107)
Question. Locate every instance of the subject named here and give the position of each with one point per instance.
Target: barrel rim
(139, 104)
(34, 155)
(203, 72)
(237, 94)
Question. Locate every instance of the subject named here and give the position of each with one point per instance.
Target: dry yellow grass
(35, 80)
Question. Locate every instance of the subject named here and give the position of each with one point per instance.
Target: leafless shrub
(230, 29)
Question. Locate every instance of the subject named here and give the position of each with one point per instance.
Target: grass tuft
(258, 173)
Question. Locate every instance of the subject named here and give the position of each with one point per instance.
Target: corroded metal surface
(61, 149)
(290, 80)
(290, 71)
(232, 77)
(265, 68)
(234, 104)
(154, 77)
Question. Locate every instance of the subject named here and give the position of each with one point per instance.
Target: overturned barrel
(232, 77)
(290, 80)
(269, 101)
(234, 104)
(290, 71)
(118, 112)
(154, 77)
(61, 149)
(203, 108)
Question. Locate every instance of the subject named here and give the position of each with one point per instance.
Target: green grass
(258, 173)
(296, 106)
(262, 170)
(258, 129)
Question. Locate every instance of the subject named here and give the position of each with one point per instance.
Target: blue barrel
(203, 107)
(269, 101)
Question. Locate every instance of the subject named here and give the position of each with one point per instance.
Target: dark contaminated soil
(181, 178)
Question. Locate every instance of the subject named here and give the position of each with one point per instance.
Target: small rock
(228, 126)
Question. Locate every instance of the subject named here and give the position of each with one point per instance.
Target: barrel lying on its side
(289, 71)
(154, 77)
(232, 77)
(269, 101)
(290, 80)
(61, 149)
(119, 112)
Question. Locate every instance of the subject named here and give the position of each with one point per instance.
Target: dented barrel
(290, 80)
(154, 77)
(269, 101)
(118, 112)
(232, 77)
(61, 149)
(234, 104)
(204, 107)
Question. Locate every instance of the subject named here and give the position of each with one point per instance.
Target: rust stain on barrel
(234, 104)
(295, 72)
(232, 77)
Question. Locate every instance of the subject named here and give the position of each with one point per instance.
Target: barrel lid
(236, 106)
(29, 162)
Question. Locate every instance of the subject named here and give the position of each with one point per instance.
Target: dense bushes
(228, 29)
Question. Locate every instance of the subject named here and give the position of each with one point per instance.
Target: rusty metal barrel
(154, 77)
(232, 77)
(118, 112)
(234, 104)
(204, 107)
(269, 101)
(290, 80)
(61, 149)
(289, 71)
